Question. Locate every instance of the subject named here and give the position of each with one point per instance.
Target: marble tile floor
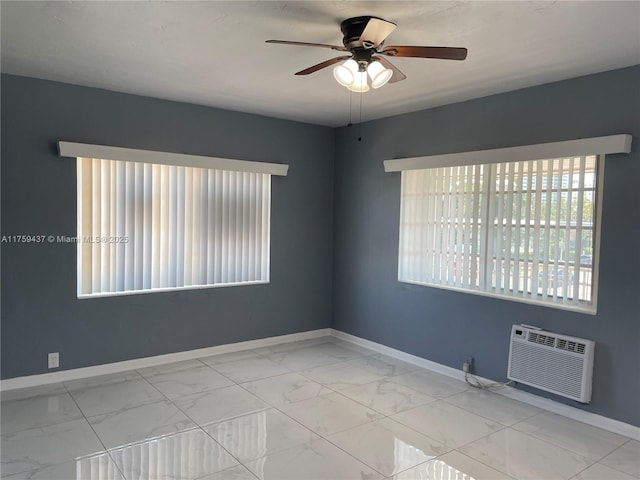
(313, 410)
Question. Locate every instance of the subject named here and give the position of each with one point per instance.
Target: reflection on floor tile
(169, 367)
(302, 359)
(185, 455)
(37, 412)
(120, 428)
(315, 460)
(492, 406)
(590, 442)
(387, 446)
(451, 466)
(229, 357)
(288, 388)
(115, 396)
(220, 404)
(313, 356)
(188, 381)
(262, 414)
(95, 467)
(431, 384)
(30, 392)
(329, 414)
(39, 447)
(258, 434)
(525, 457)
(250, 369)
(386, 396)
(449, 425)
(342, 375)
(101, 380)
(283, 347)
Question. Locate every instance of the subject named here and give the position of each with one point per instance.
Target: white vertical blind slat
(547, 272)
(96, 172)
(156, 222)
(527, 282)
(173, 224)
(402, 256)
(517, 220)
(447, 222)
(466, 215)
(180, 225)
(218, 222)
(567, 221)
(475, 219)
(535, 255)
(509, 227)
(440, 232)
(266, 229)
(120, 221)
(163, 221)
(147, 227)
(188, 227)
(429, 177)
(499, 226)
(196, 205)
(112, 226)
(578, 230)
(556, 231)
(105, 224)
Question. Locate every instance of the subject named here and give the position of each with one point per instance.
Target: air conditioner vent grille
(547, 340)
(576, 347)
(560, 343)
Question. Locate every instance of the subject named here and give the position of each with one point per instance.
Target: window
(150, 226)
(524, 230)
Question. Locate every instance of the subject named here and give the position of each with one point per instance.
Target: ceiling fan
(364, 40)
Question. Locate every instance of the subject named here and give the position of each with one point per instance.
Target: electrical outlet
(467, 366)
(54, 360)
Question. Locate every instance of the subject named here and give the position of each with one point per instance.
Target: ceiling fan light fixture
(360, 84)
(345, 74)
(379, 74)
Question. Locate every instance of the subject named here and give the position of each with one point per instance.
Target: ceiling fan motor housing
(352, 29)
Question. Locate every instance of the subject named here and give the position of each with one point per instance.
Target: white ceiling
(213, 53)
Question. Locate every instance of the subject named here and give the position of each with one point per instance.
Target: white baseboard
(552, 406)
(77, 373)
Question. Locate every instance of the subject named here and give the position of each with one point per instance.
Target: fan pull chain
(360, 120)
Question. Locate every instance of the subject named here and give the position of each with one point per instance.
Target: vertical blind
(145, 226)
(521, 229)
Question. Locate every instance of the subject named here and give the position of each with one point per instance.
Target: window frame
(600, 147)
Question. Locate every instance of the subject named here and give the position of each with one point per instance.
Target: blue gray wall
(40, 311)
(445, 326)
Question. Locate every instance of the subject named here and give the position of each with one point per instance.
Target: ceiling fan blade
(397, 74)
(446, 53)
(375, 32)
(307, 44)
(320, 66)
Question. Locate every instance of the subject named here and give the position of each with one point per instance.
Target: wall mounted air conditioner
(555, 363)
